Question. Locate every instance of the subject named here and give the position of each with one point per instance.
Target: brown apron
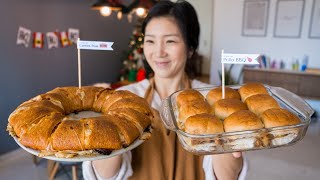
(162, 157)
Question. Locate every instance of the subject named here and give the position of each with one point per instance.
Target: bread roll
(224, 107)
(216, 94)
(188, 95)
(193, 108)
(203, 124)
(279, 117)
(260, 102)
(250, 89)
(276, 117)
(241, 121)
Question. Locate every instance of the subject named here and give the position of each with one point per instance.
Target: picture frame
(314, 30)
(288, 18)
(255, 18)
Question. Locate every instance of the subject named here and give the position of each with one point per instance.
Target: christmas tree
(133, 69)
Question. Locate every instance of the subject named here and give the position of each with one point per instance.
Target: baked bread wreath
(43, 122)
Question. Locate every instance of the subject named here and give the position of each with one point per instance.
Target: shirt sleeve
(207, 166)
(89, 172)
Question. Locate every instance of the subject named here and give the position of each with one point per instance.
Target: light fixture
(107, 6)
(140, 11)
(105, 11)
(140, 7)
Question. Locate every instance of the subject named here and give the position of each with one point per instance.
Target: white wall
(205, 16)
(227, 26)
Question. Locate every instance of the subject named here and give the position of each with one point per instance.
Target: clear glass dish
(227, 142)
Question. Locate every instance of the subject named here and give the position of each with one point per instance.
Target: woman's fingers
(237, 154)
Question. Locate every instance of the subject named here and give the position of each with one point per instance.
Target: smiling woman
(164, 48)
(171, 38)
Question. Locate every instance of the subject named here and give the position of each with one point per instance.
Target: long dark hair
(187, 21)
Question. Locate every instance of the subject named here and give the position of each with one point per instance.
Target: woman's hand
(107, 168)
(237, 154)
(227, 166)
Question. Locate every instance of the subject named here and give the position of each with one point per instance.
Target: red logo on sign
(103, 45)
(249, 59)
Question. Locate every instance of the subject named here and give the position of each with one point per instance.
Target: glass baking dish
(227, 142)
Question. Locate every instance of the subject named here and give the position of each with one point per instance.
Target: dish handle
(292, 100)
(166, 114)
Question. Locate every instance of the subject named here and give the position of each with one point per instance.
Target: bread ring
(42, 123)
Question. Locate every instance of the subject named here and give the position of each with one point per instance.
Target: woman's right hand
(107, 168)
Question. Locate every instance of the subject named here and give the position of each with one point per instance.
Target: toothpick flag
(227, 58)
(91, 45)
(239, 58)
(94, 45)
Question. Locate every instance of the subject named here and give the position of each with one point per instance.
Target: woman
(171, 38)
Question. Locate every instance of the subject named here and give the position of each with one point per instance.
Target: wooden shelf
(304, 84)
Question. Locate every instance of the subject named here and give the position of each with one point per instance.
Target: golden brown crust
(241, 121)
(192, 108)
(38, 135)
(126, 128)
(31, 113)
(250, 89)
(188, 95)
(137, 103)
(260, 102)
(69, 135)
(140, 120)
(203, 124)
(89, 95)
(278, 117)
(225, 107)
(42, 122)
(116, 96)
(101, 134)
(104, 95)
(216, 94)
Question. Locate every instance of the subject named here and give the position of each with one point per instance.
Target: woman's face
(164, 47)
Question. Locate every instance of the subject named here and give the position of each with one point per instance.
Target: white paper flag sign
(53, 40)
(95, 45)
(73, 35)
(239, 58)
(24, 36)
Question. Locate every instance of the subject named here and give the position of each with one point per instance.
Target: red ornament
(140, 50)
(141, 74)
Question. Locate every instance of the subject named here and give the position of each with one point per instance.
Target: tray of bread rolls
(251, 116)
